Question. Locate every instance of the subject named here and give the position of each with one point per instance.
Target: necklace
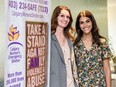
(61, 40)
(86, 39)
(87, 43)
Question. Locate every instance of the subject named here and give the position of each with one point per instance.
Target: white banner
(27, 24)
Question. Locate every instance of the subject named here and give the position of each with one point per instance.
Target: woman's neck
(87, 36)
(87, 41)
(59, 32)
(61, 37)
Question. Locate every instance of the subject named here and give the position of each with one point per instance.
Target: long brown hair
(54, 21)
(95, 30)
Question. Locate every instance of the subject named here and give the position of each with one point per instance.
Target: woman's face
(63, 18)
(85, 24)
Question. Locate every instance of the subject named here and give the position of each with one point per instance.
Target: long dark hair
(95, 30)
(54, 21)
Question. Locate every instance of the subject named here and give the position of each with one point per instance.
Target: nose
(65, 18)
(85, 24)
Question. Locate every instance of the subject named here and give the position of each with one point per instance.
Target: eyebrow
(64, 14)
(86, 19)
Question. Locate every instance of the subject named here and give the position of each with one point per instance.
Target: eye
(68, 17)
(62, 15)
(81, 22)
(88, 20)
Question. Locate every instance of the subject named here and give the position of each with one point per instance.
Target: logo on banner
(14, 46)
(13, 33)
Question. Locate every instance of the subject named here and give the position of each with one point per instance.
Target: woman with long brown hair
(61, 63)
(92, 53)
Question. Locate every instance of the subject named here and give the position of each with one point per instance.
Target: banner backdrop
(36, 46)
(27, 24)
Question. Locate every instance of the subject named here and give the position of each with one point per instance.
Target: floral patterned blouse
(90, 64)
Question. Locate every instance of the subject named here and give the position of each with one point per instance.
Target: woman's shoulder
(103, 40)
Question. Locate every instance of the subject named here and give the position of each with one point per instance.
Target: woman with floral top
(92, 53)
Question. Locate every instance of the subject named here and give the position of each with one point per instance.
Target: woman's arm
(106, 66)
(74, 68)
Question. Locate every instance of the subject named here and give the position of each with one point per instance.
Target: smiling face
(85, 24)
(63, 18)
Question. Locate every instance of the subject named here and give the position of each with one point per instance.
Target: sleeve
(106, 52)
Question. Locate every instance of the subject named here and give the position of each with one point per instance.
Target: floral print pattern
(90, 64)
